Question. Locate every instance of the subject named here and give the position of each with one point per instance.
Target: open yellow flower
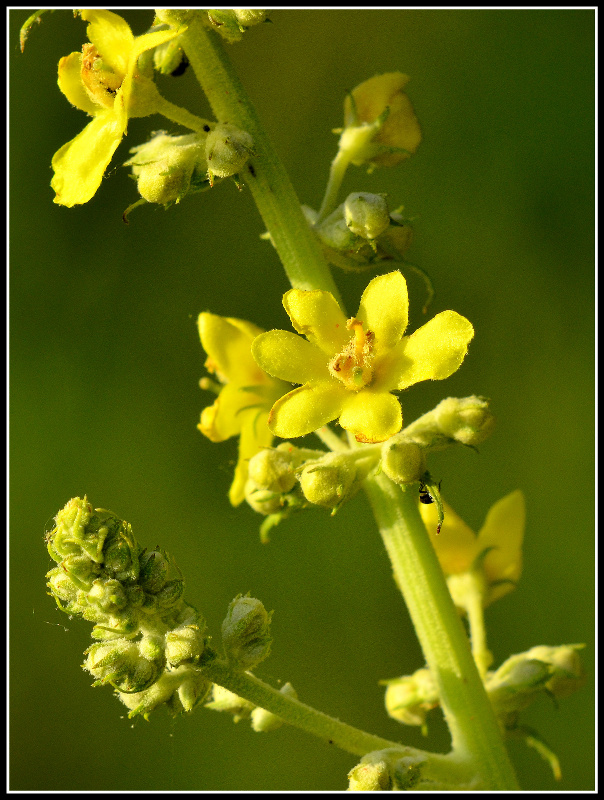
(102, 80)
(460, 550)
(348, 368)
(243, 404)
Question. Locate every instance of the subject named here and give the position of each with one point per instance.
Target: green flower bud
(468, 420)
(180, 689)
(409, 698)
(246, 632)
(366, 214)
(263, 720)
(108, 595)
(370, 776)
(335, 233)
(262, 500)
(567, 671)
(224, 700)
(171, 593)
(167, 167)
(153, 570)
(120, 663)
(151, 648)
(403, 460)
(227, 150)
(272, 470)
(184, 644)
(330, 481)
(247, 17)
(61, 586)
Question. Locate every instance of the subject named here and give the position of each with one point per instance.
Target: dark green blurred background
(105, 363)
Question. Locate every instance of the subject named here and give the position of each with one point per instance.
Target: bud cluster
(289, 478)
(150, 641)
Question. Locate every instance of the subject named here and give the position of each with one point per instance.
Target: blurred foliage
(105, 361)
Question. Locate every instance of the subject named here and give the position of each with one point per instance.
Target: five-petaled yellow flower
(460, 550)
(102, 80)
(243, 404)
(348, 368)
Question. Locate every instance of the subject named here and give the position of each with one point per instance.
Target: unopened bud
(262, 500)
(153, 572)
(246, 632)
(120, 663)
(403, 460)
(366, 214)
(409, 698)
(250, 16)
(568, 673)
(370, 776)
(468, 420)
(227, 150)
(330, 481)
(184, 644)
(272, 470)
(224, 700)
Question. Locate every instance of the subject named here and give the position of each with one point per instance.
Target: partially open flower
(103, 81)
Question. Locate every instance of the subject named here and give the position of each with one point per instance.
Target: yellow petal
(435, 350)
(70, 83)
(225, 417)
(80, 164)
(307, 408)
(255, 435)
(503, 530)
(289, 357)
(112, 37)
(456, 545)
(228, 343)
(317, 315)
(384, 309)
(371, 416)
(373, 95)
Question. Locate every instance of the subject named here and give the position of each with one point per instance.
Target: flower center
(353, 365)
(100, 83)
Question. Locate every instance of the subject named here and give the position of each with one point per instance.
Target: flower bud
(468, 420)
(261, 500)
(108, 595)
(180, 689)
(184, 644)
(171, 593)
(568, 673)
(247, 17)
(263, 720)
(167, 167)
(227, 150)
(366, 214)
(409, 698)
(335, 233)
(153, 571)
(370, 776)
(272, 470)
(120, 663)
(246, 632)
(403, 460)
(330, 481)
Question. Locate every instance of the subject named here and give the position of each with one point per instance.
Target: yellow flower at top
(102, 80)
(496, 551)
(243, 404)
(348, 368)
(381, 138)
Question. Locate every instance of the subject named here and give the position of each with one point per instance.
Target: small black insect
(424, 495)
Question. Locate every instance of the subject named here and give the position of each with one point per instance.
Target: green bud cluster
(150, 641)
(246, 634)
(167, 168)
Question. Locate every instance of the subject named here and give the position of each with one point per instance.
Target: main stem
(476, 737)
(474, 729)
(297, 246)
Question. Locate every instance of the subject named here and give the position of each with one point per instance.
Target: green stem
(474, 729)
(336, 175)
(298, 714)
(295, 242)
(181, 116)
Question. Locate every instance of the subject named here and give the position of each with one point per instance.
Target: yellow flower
(397, 136)
(348, 368)
(243, 404)
(460, 550)
(102, 81)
